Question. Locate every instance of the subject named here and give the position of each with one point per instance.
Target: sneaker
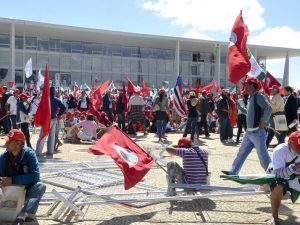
(230, 140)
(226, 172)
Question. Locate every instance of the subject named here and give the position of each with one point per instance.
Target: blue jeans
(252, 139)
(280, 137)
(161, 128)
(191, 123)
(33, 197)
(13, 119)
(121, 121)
(224, 127)
(50, 141)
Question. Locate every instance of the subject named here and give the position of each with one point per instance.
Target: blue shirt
(266, 109)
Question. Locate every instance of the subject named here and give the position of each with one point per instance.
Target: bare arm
(171, 150)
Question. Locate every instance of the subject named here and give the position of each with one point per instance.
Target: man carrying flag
(132, 160)
(40, 116)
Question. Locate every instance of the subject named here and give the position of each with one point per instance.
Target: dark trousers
(203, 123)
(280, 137)
(224, 127)
(109, 114)
(13, 119)
(6, 121)
(241, 122)
(25, 130)
(121, 121)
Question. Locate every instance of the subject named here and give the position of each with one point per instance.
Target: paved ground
(230, 210)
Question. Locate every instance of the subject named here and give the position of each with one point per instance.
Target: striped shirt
(194, 169)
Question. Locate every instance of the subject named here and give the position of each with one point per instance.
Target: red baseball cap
(69, 114)
(275, 87)
(15, 135)
(250, 80)
(161, 91)
(16, 91)
(182, 142)
(294, 139)
(24, 96)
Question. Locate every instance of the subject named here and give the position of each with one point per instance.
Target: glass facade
(83, 62)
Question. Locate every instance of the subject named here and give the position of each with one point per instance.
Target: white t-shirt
(34, 105)
(83, 102)
(281, 156)
(12, 101)
(136, 100)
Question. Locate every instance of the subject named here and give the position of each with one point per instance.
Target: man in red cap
(286, 163)
(19, 166)
(258, 114)
(11, 107)
(23, 116)
(277, 105)
(223, 109)
(195, 163)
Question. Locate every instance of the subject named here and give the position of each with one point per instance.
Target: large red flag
(131, 88)
(266, 87)
(43, 114)
(237, 56)
(97, 95)
(270, 80)
(132, 160)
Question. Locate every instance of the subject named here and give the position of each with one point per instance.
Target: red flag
(130, 158)
(270, 80)
(146, 89)
(190, 87)
(237, 56)
(266, 87)
(208, 88)
(93, 111)
(217, 87)
(97, 95)
(198, 87)
(43, 114)
(131, 88)
(124, 97)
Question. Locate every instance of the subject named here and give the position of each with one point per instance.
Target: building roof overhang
(90, 35)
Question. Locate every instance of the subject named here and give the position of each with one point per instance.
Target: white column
(12, 51)
(286, 74)
(218, 66)
(24, 53)
(177, 60)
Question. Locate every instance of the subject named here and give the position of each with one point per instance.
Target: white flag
(28, 68)
(41, 79)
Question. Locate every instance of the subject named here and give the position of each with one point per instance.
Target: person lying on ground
(19, 166)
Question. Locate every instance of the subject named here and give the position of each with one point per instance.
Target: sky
(271, 22)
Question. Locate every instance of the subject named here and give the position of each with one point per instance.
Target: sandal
(273, 222)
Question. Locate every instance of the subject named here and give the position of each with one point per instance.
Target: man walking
(204, 110)
(55, 104)
(258, 114)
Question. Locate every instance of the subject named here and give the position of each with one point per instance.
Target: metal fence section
(107, 184)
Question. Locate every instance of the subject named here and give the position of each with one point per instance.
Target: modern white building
(82, 54)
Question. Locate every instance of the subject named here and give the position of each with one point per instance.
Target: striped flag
(256, 71)
(178, 98)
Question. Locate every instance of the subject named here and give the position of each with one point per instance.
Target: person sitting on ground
(69, 123)
(286, 162)
(87, 132)
(195, 169)
(19, 166)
